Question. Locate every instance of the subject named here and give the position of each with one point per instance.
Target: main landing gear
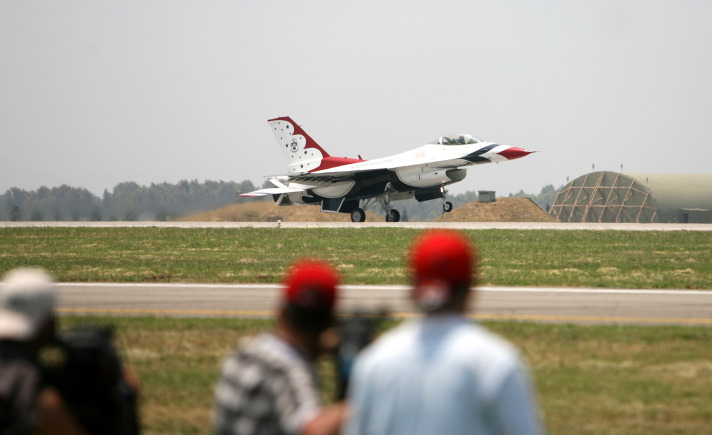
(392, 215)
(358, 215)
(384, 199)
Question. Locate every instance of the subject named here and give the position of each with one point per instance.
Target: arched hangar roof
(635, 197)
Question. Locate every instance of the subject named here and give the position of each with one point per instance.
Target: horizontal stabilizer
(273, 191)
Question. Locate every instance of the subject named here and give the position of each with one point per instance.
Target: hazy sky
(96, 93)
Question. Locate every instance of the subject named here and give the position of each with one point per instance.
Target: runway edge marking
(398, 315)
(374, 287)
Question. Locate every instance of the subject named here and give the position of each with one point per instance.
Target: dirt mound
(267, 211)
(503, 210)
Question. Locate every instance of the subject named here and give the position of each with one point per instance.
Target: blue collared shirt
(441, 375)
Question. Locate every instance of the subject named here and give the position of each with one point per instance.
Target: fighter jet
(350, 185)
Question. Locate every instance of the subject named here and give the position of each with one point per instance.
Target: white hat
(26, 301)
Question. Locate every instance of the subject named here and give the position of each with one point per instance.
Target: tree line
(131, 202)
(127, 202)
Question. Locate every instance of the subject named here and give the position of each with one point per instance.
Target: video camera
(357, 330)
(89, 376)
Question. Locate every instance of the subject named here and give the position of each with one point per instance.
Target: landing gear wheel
(393, 216)
(358, 215)
(447, 206)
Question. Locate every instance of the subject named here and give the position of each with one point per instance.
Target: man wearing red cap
(269, 386)
(441, 374)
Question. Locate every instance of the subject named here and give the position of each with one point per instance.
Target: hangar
(605, 196)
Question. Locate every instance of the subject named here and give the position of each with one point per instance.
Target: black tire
(393, 216)
(447, 207)
(358, 215)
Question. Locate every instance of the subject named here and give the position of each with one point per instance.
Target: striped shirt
(265, 387)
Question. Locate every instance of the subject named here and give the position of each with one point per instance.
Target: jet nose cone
(512, 153)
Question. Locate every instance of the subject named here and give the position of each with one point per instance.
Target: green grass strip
(589, 379)
(627, 259)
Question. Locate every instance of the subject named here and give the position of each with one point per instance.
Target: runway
(378, 224)
(559, 305)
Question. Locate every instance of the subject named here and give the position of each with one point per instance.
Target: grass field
(590, 379)
(364, 256)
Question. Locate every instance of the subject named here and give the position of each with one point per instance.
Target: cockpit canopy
(456, 139)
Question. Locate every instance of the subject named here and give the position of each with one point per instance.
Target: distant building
(635, 197)
(486, 196)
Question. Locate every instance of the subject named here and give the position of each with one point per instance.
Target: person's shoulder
(389, 344)
(268, 350)
(401, 333)
(475, 339)
(261, 357)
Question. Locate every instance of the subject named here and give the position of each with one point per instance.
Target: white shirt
(441, 375)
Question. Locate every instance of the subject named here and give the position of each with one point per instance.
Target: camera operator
(269, 385)
(28, 404)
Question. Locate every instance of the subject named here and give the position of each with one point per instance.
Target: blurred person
(442, 373)
(269, 384)
(28, 403)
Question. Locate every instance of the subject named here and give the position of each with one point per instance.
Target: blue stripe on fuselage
(476, 157)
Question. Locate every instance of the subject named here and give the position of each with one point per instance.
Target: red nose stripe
(512, 153)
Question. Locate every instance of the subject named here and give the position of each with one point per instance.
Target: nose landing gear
(392, 215)
(447, 205)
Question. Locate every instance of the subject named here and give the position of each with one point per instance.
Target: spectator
(269, 385)
(441, 374)
(28, 404)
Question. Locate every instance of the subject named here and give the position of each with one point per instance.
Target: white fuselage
(422, 167)
(433, 156)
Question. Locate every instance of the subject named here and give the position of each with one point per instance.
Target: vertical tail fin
(299, 149)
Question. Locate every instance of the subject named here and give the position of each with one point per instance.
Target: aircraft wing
(342, 174)
(328, 177)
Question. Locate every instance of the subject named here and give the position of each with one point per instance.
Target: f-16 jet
(350, 185)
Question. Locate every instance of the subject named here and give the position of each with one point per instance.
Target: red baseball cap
(311, 284)
(440, 261)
